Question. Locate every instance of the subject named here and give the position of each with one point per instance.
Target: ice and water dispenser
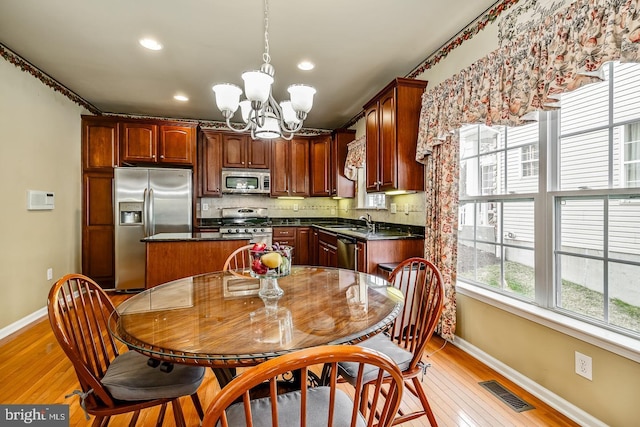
(130, 213)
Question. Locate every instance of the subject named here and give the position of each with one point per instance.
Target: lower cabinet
(297, 237)
(171, 260)
(98, 238)
(369, 253)
(327, 249)
(374, 252)
(361, 257)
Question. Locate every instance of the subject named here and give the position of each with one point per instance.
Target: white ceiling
(358, 46)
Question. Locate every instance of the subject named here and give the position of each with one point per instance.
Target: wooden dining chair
(239, 261)
(323, 406)
(405, 342)
(112, 380)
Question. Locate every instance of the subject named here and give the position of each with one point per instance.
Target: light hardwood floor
(34, 370)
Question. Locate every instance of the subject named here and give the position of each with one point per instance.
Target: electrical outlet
(393, 207)
(583, 365)
(49, 273)
(205, 206)
(333, 211)
(295, 207)
(406, 208)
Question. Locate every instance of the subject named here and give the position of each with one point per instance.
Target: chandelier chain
(265, 56)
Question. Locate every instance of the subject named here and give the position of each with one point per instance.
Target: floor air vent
(506, 396)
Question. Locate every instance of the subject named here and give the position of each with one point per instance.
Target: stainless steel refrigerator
(148, 201)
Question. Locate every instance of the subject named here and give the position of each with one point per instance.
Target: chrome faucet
(371, 226)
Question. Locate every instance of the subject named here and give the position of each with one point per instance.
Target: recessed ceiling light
(180, 98)
(306, 65)
(150, 44)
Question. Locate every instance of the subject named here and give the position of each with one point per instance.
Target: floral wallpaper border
(467, 33)
(15, 59)
(24, 65)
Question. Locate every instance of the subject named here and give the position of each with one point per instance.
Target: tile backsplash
(320, 207)
(278, 208)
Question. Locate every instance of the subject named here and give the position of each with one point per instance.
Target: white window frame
(623, 159)
(542, 310)
(529, 161)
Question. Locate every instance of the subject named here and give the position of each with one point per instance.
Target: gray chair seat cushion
(381, 343)
(130, 378)
(289, 410)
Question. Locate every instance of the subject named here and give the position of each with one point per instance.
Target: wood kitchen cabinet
(99, 143)
(147, 142)
(303, 245)
(321, 167)
(361, 256)
(290, 171)
(241, 151)
(99, 157)
(298, 238)
(374, 252)
(327, 249)
(109, 142)
(342, 186)
(210, 161)
(391, 120)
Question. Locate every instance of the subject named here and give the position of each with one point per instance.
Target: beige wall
(39, 150)
(539, 353)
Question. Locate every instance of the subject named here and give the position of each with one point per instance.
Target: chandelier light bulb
(257, 86)
(270, 129)
(245, 109)
(261, 113)
(227, 97)
(301, 97)
(289, 115)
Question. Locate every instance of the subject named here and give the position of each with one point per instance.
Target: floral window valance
(564, 52)
(356, 151)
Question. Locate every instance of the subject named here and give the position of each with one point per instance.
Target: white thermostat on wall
(40, 200)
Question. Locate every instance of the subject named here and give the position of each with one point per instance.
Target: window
(368, 200)
(577, 199)
(496, 243)
(631, 158)
(529, 156)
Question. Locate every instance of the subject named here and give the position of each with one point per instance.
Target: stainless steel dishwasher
(346, 252)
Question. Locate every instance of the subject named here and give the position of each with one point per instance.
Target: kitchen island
(171, 256)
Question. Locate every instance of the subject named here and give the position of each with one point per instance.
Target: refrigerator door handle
(145, 214)
(152, 225)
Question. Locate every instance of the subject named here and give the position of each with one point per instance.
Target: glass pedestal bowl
(268, 263)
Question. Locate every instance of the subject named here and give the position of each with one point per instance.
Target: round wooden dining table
(218, 320)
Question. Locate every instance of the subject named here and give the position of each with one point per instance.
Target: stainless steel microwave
(246, 181)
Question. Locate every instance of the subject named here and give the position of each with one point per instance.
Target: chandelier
(262, 115)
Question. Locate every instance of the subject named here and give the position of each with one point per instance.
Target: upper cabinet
(391, 119)
(240, 151)
(290, 171)
(166, 143)
(342, 186)
(321, 167)
(99, 143)
(210, 162)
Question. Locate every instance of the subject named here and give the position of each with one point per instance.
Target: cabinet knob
(249, 162)
(162, 157)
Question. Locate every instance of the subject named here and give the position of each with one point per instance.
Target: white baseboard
(15, 326)
(570, 410)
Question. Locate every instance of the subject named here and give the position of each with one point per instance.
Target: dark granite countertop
(187, 237)
(340, 226)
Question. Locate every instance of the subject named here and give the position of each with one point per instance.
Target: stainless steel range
(251, 221)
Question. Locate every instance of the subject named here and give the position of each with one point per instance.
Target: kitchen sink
(355, 230)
